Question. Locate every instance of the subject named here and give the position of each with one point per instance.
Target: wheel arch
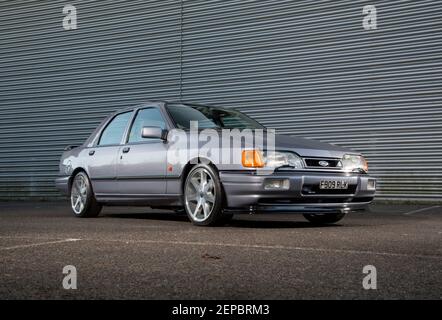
(192, 163)
(74, 173)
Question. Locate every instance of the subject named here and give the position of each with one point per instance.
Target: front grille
(321, 163)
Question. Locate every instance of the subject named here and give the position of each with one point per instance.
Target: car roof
(163, 103)
(140, 105)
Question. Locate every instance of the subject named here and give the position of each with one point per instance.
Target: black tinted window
(115, 129)
(150, 117)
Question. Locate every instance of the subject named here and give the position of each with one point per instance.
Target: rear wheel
(83, 202)
(203, 196)
(325, 218)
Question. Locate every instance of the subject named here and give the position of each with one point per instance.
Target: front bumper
(247, 190)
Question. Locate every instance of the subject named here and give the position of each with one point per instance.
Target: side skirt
(167, 200)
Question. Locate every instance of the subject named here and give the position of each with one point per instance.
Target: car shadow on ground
(238, 221)
(275, 224)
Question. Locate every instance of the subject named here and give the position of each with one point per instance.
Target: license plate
(333, 184)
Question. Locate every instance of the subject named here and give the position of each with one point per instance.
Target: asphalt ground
(138, 253)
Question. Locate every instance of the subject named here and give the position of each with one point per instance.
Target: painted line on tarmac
(278, 247)
(420, 210)
(30, 245)
(231, 245)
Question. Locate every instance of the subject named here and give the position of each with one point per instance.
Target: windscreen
(209, 117)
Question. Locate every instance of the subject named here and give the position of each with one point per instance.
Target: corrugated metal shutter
(56, 85)
(308, 68)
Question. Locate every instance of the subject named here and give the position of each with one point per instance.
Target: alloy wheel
(78, 194)
(200, 194)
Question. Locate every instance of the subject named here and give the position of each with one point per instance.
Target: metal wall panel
(308, 68)
(57, 85)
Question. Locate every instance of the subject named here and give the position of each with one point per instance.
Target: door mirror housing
(154, 133)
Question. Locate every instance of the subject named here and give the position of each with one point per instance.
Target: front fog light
(276, 184)
(371, 184)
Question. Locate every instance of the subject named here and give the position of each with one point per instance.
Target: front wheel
(83, 202)
(325, 218)
(203, 196)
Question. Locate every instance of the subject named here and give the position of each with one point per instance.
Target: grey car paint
(136, 173)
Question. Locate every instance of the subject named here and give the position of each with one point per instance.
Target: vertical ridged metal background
(57, 85)
(306, 68)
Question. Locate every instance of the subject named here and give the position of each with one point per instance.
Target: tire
(326, 218)
(83, 202)
(203, 196)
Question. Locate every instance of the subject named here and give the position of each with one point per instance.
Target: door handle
(92, 152)
(126, 150)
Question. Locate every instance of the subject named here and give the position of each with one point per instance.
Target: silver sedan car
(134, 157)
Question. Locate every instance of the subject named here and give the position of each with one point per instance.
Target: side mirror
(154, 133)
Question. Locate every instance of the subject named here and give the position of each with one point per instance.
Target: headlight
(258, 159)
(351, 163)
(282, 159)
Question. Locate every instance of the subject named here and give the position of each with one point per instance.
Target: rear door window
(113, 133)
